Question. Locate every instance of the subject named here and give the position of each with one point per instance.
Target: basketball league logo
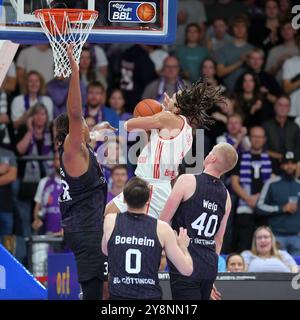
(146, 12)
(132, 11)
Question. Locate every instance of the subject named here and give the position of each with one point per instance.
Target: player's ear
(213, 158)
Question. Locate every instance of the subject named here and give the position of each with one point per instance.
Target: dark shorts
(90, 260)
(184, 288)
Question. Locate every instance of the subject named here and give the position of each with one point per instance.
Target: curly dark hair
(193, 103)
(61, 125)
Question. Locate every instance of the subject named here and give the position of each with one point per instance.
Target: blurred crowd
(249, 48)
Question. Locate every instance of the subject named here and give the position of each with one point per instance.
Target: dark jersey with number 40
(201, 215)
(134, 254)
(83, 199)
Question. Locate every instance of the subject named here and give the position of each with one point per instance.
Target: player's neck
(212, 172)
(137, 211)
(115, 190)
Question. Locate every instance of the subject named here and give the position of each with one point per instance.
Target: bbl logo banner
(132, 11)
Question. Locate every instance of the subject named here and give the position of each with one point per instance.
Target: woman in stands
(264, 255)
(117, 102)
(235, 263)
(22, 105)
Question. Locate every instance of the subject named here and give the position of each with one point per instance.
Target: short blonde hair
(229, 156)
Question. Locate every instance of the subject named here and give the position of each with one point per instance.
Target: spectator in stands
(282, 52)
(250, 100)
(291, 81)
(285, 9)
(137, 71)
(235, 263)
(21, 107)
(265, 257)
(99, 61)
(269, 87)
(265, 33)
(192, 53)
(254, 10)
(282, 133)
(158, 55)
(189, 11)
(254, 168)
(34, 139)
(209, 72)
(279, 201)
(231, 58)
(225, 9)
(116, 102)
(90, 121)
(119, 177)
(8, 174)
(217, 35)
(96, 95)
(7, 88)
(220, 114)
(170, 81)
(35, 58)
(57, 90)
(46, 211)
(236, 134)
(88, 71)
(110, 154)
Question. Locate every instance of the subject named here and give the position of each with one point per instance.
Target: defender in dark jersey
(134, 241)
(83, 199)
(201, 204)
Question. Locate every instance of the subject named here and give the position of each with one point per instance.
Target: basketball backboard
(152, 22)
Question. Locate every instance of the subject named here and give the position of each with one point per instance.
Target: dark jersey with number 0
(83, 199)
(134, 254)
(201, 215)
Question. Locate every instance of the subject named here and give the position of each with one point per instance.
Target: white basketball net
(72, 32)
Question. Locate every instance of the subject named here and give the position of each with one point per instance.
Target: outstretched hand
(183, 239)
(73, 63)
(168, 102)
(102, 130)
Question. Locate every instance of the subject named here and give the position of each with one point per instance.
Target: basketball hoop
(63, 27)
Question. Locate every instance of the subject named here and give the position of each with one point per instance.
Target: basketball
(146, 12)
(146, 108)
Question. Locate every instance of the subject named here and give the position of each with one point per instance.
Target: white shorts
(159, 193)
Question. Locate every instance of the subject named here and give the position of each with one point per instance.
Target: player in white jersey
(170, 140)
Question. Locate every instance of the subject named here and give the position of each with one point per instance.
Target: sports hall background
(248, 47)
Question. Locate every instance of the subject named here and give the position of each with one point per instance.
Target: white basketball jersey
(160, 158)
